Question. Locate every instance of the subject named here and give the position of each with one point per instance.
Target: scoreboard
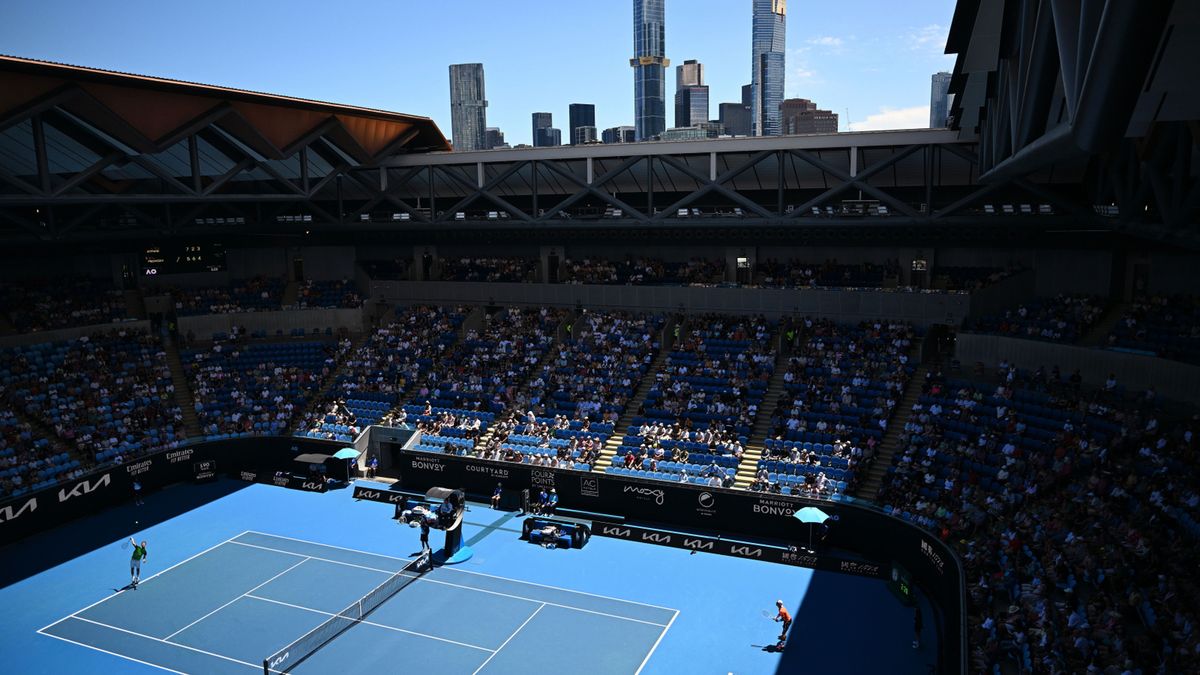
(183, 258)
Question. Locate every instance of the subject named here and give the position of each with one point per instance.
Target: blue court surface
(245, 575)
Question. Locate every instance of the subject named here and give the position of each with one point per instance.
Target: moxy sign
(83, 487)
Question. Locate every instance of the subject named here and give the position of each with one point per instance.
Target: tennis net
(292, 655)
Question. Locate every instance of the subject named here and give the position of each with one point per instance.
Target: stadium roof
(1108, 86)
(149, 114)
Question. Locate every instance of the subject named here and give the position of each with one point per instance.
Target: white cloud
(826, 41)
(916, 117)
(931, 38)
(799, 70)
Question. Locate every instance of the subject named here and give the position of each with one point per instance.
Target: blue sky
(871, 57)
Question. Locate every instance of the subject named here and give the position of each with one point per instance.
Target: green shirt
(139, 552)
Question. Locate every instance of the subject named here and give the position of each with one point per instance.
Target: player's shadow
(771, 649)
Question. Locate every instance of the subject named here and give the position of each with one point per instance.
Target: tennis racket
(768, 615)
(125, 545)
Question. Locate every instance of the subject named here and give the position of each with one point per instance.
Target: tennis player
(785, 618)
(135, 563)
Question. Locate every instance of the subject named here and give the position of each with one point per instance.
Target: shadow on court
(45, 550)
(837, 605)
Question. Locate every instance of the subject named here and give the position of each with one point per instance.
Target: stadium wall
(922, 309)
(255, 459)
(272, 322)
(1171, 379)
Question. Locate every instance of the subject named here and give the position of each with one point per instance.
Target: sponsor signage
(589, 486)
(497, 472)
(11, 512)
(85, 487)
(542, 478)
(646, 493)
(706, 504)
(91, 493)
(139, 468)
(932, 555)
(734, 549)
(383, 496)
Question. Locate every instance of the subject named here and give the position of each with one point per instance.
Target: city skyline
(872, 57)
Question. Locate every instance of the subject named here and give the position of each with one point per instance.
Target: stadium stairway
(1097, 335)
(291, 293)
(869, 488)
(183, 390)
(639, 397)
(326, 385)
(521, 398)
(762, 423)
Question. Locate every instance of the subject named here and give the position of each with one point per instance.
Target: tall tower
(769, 41)
(468, 107)
(580, 115)
(541, 120)
(691, 94)
(649, 68)
(939, 100)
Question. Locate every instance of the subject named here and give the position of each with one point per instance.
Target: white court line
(542, 602)
(482, 574)
(510, 637)
(655, 645)
(237, 598)
(256, 666)
(470, 588)
(130, 658)
(313, 557)
(371, 623)
(210, 548)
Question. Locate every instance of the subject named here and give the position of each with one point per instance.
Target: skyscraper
(735, 117)
(649, 68)
(939, 100)
(494, 138)
(801, 116)
(541, 120)
(691, 94)
(468, 107)
(619, 135)
(769, 40)
(580, 115)
(548, 137)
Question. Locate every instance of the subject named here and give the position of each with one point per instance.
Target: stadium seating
(251, 389)
(250, 295)
(697, 417)
(66, 302)
(108, 395)
(1075, 513)
(327, 295)
(1063, 318)
(370, 381)
(1166, 326)
(489, 269)
(840, 388)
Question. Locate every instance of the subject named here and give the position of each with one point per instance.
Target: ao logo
(707, 500)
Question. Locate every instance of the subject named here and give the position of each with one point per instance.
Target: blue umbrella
(345, 453)
(810, 514)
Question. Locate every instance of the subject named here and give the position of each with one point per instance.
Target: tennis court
(237, 603)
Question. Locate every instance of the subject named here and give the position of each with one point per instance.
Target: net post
(266, 667)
